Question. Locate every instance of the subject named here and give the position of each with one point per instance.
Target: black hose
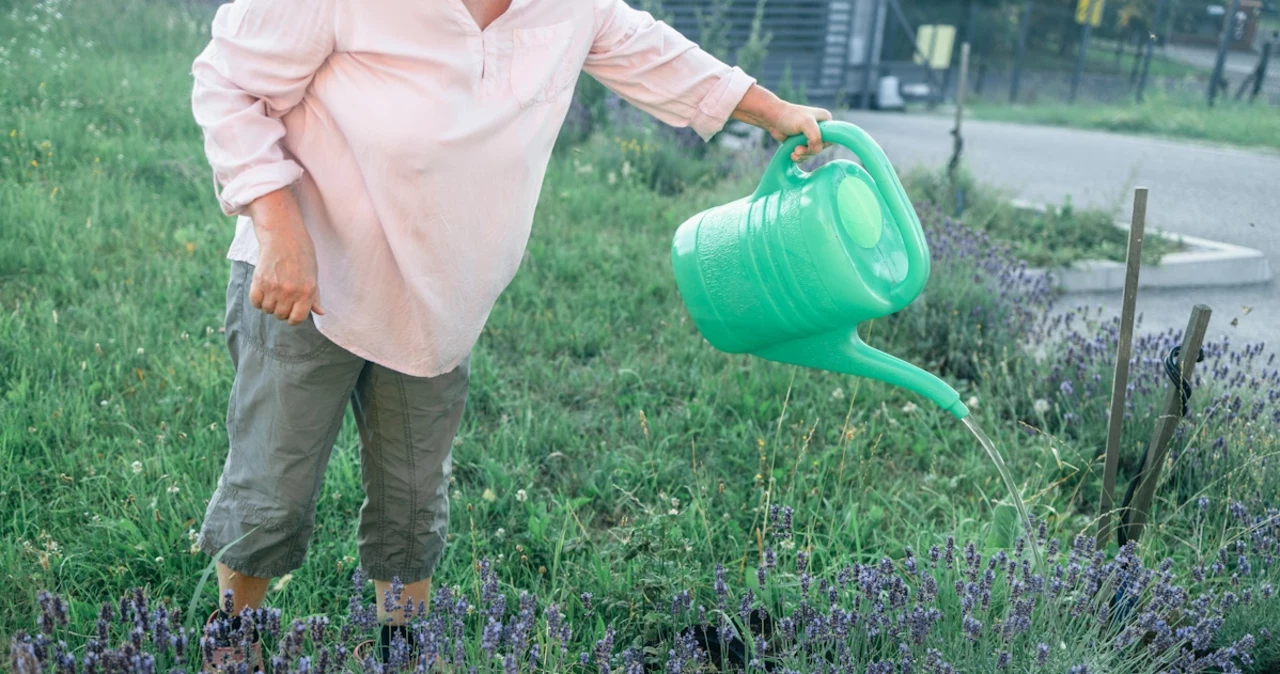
(1174, 372)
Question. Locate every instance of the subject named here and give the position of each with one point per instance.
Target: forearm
(276, 213)
(782, 120)
(759, 107)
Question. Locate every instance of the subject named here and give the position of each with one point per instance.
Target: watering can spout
(844, 351)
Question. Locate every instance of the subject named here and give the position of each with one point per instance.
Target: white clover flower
(136, 466)
(1041, 405)
(909, 408)
(521, 495)
(971, 402)
(838, 394)
(173, 489)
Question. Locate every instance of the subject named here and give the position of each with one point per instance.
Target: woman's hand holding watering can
(782, 120)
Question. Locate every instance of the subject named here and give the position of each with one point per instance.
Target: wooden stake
(958, 141)
(1120, 380)
(1139, 508)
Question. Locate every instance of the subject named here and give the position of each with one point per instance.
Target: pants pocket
(271, 336)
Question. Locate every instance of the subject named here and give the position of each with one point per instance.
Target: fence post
(1024, 29)
(866, 55)
(1084, 49)
(1220, 63)
(1138, 45)
(1151, 47)
(958, 142)
(1262, 69)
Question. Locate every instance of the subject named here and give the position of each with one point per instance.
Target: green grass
(1101, 59)
(1228, 122)
(646, 456)
(591, 390)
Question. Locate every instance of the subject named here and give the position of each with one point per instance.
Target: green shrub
(640, 155)
(713, 27)
(752, 53)
(979, 302)
(1262, 620)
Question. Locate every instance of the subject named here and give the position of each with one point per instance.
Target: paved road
(1200, 190)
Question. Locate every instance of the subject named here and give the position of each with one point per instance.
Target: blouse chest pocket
(541, 69)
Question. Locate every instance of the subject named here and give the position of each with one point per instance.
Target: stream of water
(1009, 484)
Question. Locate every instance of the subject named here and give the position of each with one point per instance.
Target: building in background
(825, 44)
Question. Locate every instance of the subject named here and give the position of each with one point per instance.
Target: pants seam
(413, 473)
(381, 467)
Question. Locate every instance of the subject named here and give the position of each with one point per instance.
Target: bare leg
(418, 592)
(246, 590)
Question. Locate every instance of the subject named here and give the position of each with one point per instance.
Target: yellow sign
(934, 43)
(1086, 7)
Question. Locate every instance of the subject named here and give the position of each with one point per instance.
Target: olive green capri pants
(291, 389)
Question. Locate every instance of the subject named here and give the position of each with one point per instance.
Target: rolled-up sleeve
(257, 66)
(652, 66)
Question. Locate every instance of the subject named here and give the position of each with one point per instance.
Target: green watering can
(788, 273)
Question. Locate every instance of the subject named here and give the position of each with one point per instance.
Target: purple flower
(972, 627)
(603, 650)
(722, 590)
(491, 636)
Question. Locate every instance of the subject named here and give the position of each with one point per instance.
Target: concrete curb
(1205, 264)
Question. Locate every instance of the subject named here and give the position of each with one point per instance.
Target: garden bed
(1179, 261)
(1049, 236)
(1084, 249)
(615, 480)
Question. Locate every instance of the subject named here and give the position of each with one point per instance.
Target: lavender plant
(954, 608)
(979, 302)
(984, 312)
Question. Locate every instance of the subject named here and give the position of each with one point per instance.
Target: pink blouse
(416, 143)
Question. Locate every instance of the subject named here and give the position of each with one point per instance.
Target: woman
(384, 158)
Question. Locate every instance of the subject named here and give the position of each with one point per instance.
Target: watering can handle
(783, 173)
